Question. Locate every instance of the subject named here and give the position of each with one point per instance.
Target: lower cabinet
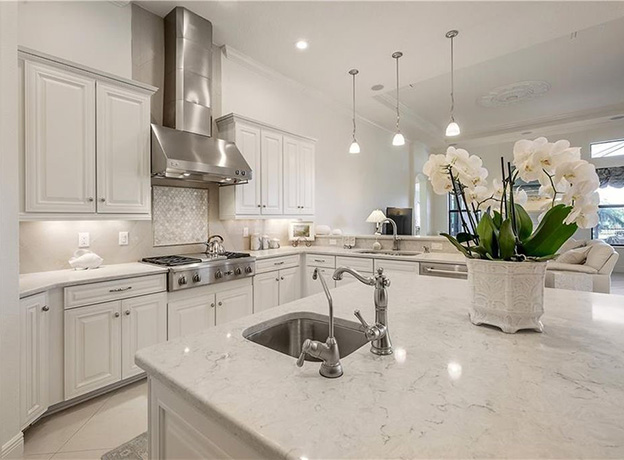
(198, 309)
(396, 266)
(34, 325)
(276, 288)
(101, 340)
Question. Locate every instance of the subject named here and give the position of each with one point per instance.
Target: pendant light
(398, 138)
(453, 128)
(354, 147)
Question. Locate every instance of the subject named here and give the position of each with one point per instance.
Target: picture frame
(301, 231)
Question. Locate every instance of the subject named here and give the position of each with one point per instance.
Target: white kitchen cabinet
(233, 304)
(144, 323)
(190, 315)
(92, 348)
(289, 285)
(59, 140)
(86, 149)
(123, 150)
(34, 333)
(272, 173)
(266, 291)
(396, 266)
(283, 171)
(347, 279)
(298, 176)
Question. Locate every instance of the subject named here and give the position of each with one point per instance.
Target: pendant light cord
(353, 106)
(452, 81)
(397, 91)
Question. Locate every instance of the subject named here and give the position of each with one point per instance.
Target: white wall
(491, 154)
(96, 34)
(9, 303)
(348, 187)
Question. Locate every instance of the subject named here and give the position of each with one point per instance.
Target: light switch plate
(436, 246)
(123, 238)
(83, 240)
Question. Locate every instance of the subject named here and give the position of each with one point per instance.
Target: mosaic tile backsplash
(180, 215)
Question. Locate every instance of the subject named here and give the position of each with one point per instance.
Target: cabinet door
(144, 323)
(266, 291)
(396, 266)
(306, 177)
(292, 171)
(314, 286)
(272, 186)
(233, 304)
(92, 348)
(34, 357)
(123, 150)
(289, 285)
(59, 140)
(187, 316)
(248, 196)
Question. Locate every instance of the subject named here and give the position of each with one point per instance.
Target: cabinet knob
(45, 308)
(102, 200)
(264, 205)
(220, 303)
(116, 314)
(276, 279)
(127, 312)
(282, 278)
(212, 305)
(259, 205)
(90, 199)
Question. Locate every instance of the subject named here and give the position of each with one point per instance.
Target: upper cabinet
(86, 142)
(283, 165)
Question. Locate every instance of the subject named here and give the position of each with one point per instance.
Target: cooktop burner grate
(172, 261)
(235, 255)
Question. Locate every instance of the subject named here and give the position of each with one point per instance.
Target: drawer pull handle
(45, 308)
(120, 289)
(279, 263)
(445, 272)
(319, 260)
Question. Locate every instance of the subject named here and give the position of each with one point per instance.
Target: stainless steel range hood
(183, 149)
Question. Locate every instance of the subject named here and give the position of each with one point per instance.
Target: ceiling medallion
(514, 93)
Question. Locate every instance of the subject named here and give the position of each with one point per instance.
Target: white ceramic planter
(508, 295)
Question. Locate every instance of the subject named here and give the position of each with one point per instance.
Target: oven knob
(196, 278)
(218, 275)
(238, 271)
(248, 269)
(182, 280)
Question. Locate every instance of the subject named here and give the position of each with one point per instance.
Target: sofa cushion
(571, 244)
(572, 268)
(599, 254)
(574, 256)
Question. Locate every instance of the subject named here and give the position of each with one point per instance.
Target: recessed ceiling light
(377, 87)
(302, 45)
(617, 117)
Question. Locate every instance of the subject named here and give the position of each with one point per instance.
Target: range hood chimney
(183, 148)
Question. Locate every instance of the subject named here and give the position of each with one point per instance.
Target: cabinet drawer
(357, 263)
(277, 263)
(87, 294)
(396, 265)
(317, 260)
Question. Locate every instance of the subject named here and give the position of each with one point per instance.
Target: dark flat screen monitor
(403, 219)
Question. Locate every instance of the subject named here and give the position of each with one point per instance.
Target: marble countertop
(34, 283)
(450, 390)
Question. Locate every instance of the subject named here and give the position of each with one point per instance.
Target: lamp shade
(376, 216)
(452, 129)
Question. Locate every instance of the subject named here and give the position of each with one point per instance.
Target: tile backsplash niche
(181, 218)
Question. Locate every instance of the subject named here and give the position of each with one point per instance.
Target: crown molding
(269, 73)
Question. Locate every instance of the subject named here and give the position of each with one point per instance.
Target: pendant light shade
(354, 148)
(398, 138)
(453, 128)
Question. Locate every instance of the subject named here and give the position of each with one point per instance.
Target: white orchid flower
(576, 171)
(478, 197)
(585, 212)
(436, 168)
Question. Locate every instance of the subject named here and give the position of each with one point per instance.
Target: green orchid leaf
(525, 225)
(551, 233)
(462, 237)
(464, 250)
(506, 240)
(498, 219)
(487, 236)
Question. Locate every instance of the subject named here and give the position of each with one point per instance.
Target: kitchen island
(451, 389)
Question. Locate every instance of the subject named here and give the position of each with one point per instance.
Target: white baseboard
(14, 448)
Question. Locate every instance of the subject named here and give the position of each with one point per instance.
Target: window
(455, 221)
(610, 226)
(607, 149)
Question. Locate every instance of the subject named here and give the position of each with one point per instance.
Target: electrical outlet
(123, 238)
(437, 246)
(246, 231)
(333, 242)
(83, 240)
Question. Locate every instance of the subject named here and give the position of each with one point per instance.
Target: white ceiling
(499, 43)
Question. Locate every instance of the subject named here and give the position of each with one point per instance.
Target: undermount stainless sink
(388, 252)
(286, 334)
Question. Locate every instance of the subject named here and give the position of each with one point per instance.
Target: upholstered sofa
(594, 258)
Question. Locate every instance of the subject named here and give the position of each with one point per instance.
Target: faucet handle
(359, 316)
(307, 344)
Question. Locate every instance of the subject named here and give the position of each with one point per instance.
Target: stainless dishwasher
(444, 270)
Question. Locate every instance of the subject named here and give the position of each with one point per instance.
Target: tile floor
(89, 430)
(617, 283)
